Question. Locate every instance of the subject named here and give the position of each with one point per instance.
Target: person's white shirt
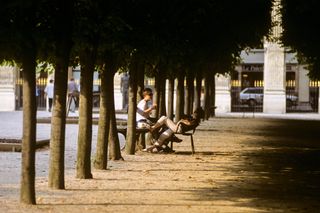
(141, 107)
(49, 90)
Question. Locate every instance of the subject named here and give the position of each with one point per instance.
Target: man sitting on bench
(144, 110)
(187, 123)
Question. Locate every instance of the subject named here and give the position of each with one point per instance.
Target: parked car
(253, 96)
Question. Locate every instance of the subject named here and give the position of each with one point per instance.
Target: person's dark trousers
(50, 104)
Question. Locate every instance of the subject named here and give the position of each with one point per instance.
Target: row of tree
(177, 39)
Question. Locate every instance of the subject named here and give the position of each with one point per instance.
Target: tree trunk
(101, 158)
(198, 90)
(58, 124)
(170, 98)
(207, 97)
(212, 96)
(190, 94)
(180, 97)
(156, 94)
(131, 124)
(63, 45)
(27, 193)
(87, 59)
(114, 145)
(162, 94)
(140, 87)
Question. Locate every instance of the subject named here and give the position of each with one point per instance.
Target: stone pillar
(117, 92)
(274, 100)
(7, 88)
(223, 94)
(303, 85)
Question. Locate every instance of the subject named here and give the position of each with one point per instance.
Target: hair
(147, 91)
(50, 80)
(198, 113)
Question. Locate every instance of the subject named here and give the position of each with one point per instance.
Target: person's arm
(148, 111)
(185, 121)
(145, 112)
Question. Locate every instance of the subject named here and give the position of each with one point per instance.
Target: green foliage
(20, 29)
(8, 63)
(301, 20)
(44, 67)
(187, 34)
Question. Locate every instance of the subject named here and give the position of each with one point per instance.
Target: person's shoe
(168, 150)
(176, 139)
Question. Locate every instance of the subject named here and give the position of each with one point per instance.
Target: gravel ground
(240, 165)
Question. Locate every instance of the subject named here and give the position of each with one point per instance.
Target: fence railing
(40, 94)
(292, 98)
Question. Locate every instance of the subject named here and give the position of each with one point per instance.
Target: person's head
(198, 114)
(147, 94)
(51, 81)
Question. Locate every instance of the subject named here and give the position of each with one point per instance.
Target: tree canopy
(301, 20)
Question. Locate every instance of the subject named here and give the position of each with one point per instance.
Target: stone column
(274, 100)
(223, 94)
(7, 88)
(303, 85)
(117, 92)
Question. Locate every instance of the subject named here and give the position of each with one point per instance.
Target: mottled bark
(156, 94)
(140, 87)
(114, 145)
(206, 97)
(170, 98)
(197, 98)
(87, 59)
(131, 124)
(61, 56)
(58, 123)
(101, 157)
(179, 97)
(189, 94)
(162, 93)
(212, 95)
(27, 183)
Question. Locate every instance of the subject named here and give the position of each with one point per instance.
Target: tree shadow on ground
(281, 176)
(190, 153)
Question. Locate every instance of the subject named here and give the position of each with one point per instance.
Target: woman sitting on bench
(187, 123)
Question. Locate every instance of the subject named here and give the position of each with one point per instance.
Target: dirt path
(240, 165)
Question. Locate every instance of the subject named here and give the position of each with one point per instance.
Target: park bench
(188, 133)
(123, 130)
(140, 133)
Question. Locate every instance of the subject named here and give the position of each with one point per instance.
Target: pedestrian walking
(73, 94)
(49, 92)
